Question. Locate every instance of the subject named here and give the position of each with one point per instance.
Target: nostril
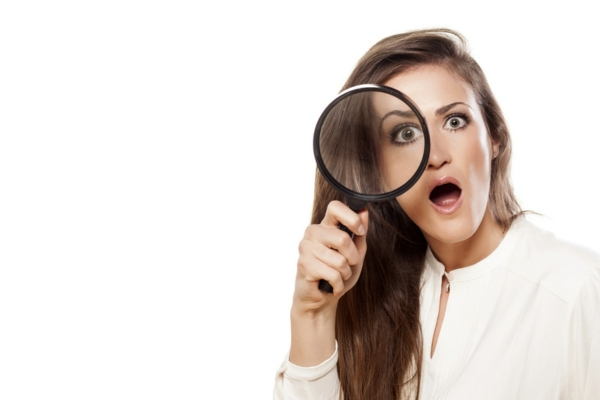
(436, 163)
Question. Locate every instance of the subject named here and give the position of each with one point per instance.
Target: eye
(454, 122)
(405, 134)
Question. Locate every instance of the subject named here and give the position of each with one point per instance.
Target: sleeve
(585, 341)
(592, 379)
(320, 382)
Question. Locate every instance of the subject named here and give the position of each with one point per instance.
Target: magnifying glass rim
(370, 87)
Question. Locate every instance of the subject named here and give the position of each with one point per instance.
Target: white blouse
(524, 323)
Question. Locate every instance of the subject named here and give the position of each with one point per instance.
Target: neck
(481, 244)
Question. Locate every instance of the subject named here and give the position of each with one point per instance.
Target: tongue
(445, 195)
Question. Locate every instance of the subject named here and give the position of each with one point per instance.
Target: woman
(459, 297)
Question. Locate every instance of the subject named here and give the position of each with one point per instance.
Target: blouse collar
(484, 266)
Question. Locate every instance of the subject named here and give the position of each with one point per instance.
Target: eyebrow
(399, 113)
(405, 114)
(445, 109)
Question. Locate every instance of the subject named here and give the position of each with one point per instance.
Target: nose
(439, 153)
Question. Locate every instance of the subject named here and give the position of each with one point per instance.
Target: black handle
(324, 286)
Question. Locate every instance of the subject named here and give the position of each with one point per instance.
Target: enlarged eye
(404, 134)
(455, 122)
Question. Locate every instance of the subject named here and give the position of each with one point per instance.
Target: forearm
(313, 336)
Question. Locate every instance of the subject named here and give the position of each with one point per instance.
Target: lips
(446, 195)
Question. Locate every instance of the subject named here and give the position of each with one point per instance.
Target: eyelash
(396, 130)
(465, 117)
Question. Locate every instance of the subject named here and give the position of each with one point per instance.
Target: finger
(312, 270)
(335, 260)
(353, 250)
(327, 255)
(337, 212)
(361, 241)
(331, 238)
(361, 247)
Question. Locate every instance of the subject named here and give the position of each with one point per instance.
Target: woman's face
(448, 203)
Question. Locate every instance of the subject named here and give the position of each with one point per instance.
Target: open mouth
(445, 195)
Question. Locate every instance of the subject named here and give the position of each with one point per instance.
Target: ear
(495, 148)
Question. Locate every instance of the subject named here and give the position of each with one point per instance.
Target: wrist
(313, 336)
(315, 313)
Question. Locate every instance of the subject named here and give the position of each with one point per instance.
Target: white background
(156, 173)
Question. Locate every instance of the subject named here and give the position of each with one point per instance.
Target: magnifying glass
(371, 144)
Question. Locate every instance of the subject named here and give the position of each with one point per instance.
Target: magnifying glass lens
(372, 143)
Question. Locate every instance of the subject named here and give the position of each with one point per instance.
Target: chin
(449, 232)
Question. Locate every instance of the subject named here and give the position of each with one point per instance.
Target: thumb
(361, 241)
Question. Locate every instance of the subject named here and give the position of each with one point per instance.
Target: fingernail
(361, 230)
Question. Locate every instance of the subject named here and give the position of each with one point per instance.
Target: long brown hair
(377, 323)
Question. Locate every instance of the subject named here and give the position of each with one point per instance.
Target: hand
(329, 253)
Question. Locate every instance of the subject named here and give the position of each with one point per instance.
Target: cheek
(479, 153)
(414, 201)
(398, 164)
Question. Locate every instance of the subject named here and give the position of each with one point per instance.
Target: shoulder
(559, 266)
